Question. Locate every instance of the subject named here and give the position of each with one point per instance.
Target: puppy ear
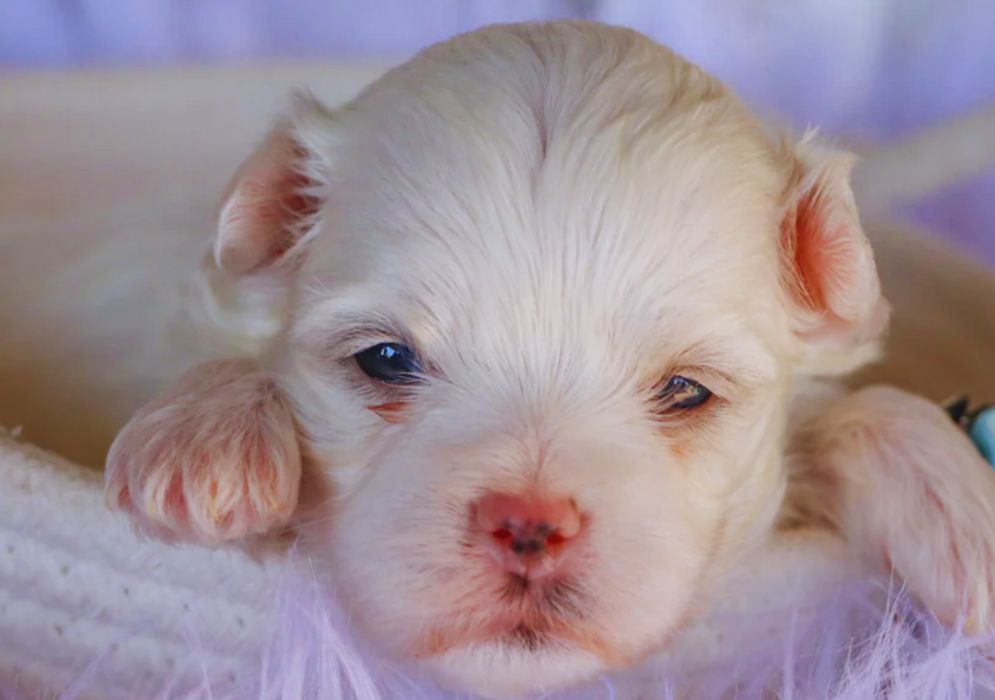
(827, 263)
(267, 217)
(274, 196)
(913, 493)
(215, 458)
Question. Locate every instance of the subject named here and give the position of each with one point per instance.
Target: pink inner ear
(820, 255)
(834, 272)
(258, 221)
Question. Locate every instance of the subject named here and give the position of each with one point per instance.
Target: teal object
(982, 432)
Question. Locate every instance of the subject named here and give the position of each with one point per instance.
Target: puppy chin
(499, 669)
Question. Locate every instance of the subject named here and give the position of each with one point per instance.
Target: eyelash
(681, 395)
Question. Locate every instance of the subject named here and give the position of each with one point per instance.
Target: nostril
(502, 534)
(555, 539)
(529, 546)
(525, 541)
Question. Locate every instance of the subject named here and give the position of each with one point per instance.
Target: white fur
(558, 217)
(911, 492)
(217, 459)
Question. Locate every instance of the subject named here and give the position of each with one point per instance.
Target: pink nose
(528, 535)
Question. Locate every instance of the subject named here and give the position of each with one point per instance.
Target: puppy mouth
(547, 610)
(528, 615)
(558, 599)
(526, 637)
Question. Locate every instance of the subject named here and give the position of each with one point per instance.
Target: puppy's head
(538, 300)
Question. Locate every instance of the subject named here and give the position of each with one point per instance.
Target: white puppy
(543, 318)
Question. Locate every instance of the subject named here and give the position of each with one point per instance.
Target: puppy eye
(389, 362)
(682, 394)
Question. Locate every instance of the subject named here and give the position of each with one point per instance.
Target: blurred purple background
(863, 69)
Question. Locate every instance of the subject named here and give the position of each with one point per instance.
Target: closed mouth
(530, 615)
(558, 599)
(526, 637)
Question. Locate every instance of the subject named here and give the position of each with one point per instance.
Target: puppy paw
(915, 494)
(214, 459)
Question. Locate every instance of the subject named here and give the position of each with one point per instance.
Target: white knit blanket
(76, 586)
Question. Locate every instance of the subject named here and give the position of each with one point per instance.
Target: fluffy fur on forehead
(532, 164)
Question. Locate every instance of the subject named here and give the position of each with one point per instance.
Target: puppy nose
(527, 533)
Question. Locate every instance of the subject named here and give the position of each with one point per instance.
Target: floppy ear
(267, 214)
(270, 201)
(213, 459)
(830, 279)
(910, 491)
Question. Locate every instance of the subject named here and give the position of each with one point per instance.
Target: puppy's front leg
(214, 459)
(911, 492)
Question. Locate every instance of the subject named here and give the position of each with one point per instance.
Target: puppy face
(542, 298)
(557, 312)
